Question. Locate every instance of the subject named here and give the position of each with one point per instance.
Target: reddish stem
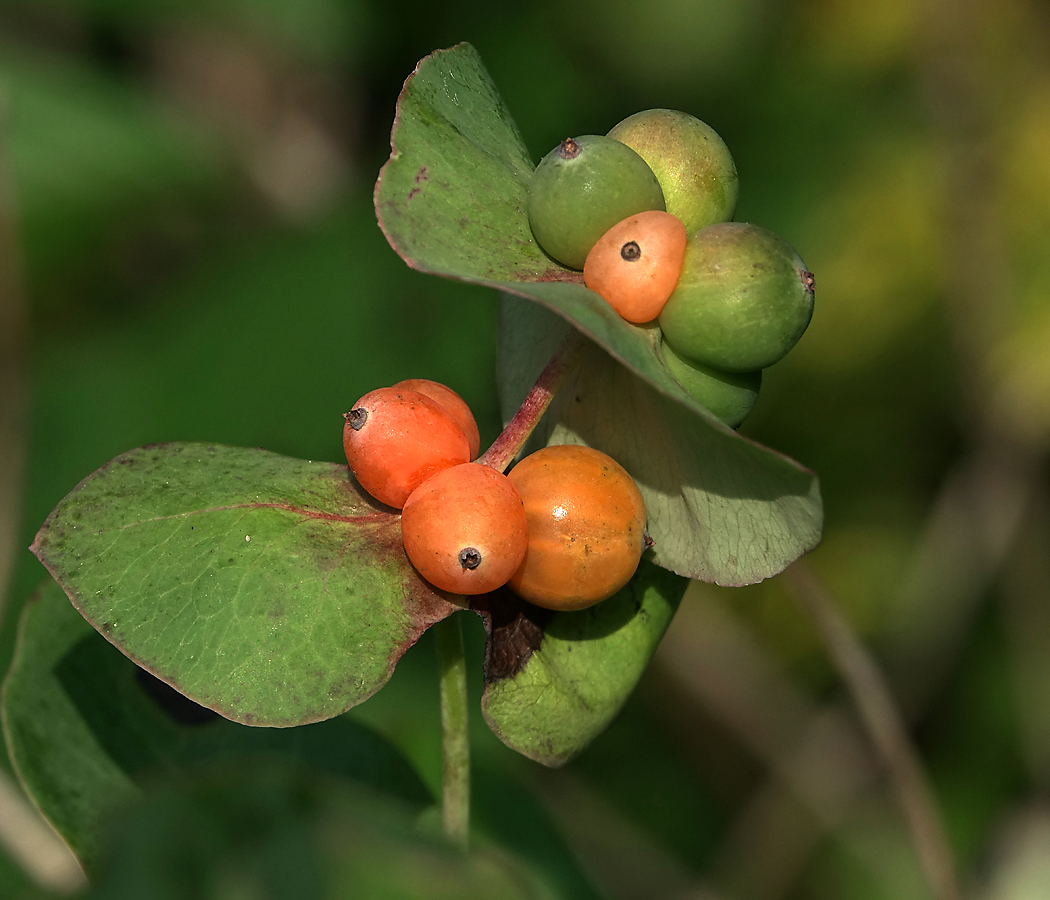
(551, 380)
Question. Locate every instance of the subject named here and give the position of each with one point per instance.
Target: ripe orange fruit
(395, 439)
(635, 265)
(586, 527)
(455, 405)
(464, 529)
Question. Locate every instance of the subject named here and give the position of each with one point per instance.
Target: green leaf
(86, 728)
(721, 508)
(454, 187)
(452, 201)
(554, 680)
(266, 588)
(257, 831)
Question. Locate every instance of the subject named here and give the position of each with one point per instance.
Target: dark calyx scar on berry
(630, 251)
(469, 558)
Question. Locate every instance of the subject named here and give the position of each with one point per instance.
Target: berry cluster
(564, 530)
(645, 213)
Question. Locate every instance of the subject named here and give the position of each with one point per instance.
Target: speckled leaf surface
(86, 729)
(554, 680)
(265, 588)
(452, 201)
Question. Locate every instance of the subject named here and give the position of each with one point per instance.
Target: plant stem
(886, 728)
(448, 633)
(455, 737)
(551, 380)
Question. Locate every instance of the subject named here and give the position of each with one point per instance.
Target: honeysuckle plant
(274, 592)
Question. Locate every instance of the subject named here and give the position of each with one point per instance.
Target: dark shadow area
(178, 707)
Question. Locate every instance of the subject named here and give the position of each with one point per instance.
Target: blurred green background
(188, 251)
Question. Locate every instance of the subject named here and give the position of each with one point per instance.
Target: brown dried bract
(515, 631)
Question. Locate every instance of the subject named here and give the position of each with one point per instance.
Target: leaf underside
(721, 508)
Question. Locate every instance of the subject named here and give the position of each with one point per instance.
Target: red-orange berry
(635, 265)
(455, 405)
(464, 529)
(586, 527)
(396, 439)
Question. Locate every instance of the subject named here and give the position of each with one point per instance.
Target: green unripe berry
(581, 189)
(743, 299)
(691, 162)
(728, 396)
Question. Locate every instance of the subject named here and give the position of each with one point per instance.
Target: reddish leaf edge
(554, 271)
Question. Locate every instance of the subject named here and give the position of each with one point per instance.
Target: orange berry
(453, 404)
(586, 527)
(464, 529)
(636, 263)
(396, 439)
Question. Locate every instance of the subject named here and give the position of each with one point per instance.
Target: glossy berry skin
(692, 163)
(395, 439)
(581, 189)
(728, 396)
(464, 529)
(586, 527)
(635, 264)
(452, 403)
(743, 299)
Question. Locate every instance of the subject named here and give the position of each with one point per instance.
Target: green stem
(455, 738)
(448, 633)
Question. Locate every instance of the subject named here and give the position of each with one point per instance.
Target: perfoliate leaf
(452, 201)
